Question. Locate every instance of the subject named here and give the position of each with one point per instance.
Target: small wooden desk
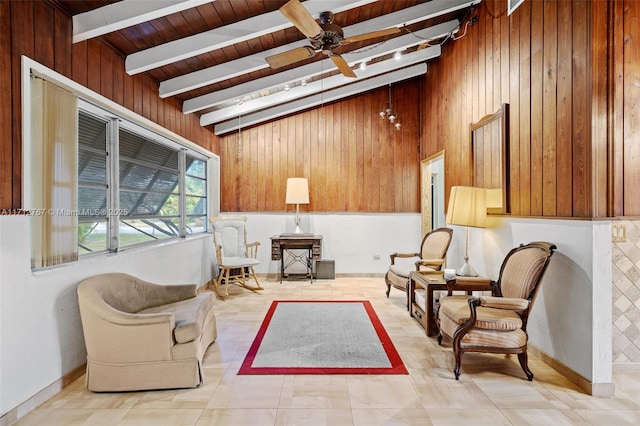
(311, 243)
(432, 282)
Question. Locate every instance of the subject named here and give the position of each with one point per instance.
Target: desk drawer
(275, 252)
(419, 315)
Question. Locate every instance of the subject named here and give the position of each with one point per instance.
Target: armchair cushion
(457, 309)
(491, 339)
(189, 316)
(239, 262)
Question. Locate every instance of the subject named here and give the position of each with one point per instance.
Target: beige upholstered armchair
(141, 335)
(234, 256)
(496, 324)
(433, 250)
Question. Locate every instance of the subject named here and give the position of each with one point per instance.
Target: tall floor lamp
(297, 193)
(467, 207)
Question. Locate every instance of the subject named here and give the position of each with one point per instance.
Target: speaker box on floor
(325, 269)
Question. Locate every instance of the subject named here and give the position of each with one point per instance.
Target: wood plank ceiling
(210, 55)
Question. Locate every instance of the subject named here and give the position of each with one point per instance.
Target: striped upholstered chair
(431, 256)
(496, 324)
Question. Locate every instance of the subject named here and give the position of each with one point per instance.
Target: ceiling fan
(324, 37)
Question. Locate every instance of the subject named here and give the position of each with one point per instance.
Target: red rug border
(397, 366)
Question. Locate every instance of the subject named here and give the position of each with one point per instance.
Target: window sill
(127, 251)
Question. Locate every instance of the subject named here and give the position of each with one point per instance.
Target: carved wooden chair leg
(457, 354)
(522, 357)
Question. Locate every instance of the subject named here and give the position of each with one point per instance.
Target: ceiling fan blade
(374, 34)
(301, 18)
(343, 66)
(290, 56)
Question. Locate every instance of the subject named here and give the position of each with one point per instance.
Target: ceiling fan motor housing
(332, 34)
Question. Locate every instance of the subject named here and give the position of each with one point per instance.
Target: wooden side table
(432, 282)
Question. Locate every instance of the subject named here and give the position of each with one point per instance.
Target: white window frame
(141, 124)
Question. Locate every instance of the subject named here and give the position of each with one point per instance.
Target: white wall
(40, 328)
(351, 240)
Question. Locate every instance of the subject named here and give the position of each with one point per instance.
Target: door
(432, 193)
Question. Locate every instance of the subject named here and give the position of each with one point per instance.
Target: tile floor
(492, 389)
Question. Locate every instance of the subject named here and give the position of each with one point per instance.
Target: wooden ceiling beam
(227, 35)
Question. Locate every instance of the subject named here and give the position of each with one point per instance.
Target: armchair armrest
(509, 303)
(402, 255)
(429, 262)
(469, 284)
(252, 249)
(116, 336)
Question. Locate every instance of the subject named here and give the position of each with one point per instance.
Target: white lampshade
(297, 191)
(467, 206)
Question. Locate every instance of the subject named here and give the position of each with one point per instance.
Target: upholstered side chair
(496, 324)
(234, 256)
(433, 251)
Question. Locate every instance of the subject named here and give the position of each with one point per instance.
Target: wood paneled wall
(567, 70)
(39, 30)
(355, 161)
(623, 124)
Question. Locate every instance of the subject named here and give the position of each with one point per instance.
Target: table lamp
(297, 193)
(467, 207)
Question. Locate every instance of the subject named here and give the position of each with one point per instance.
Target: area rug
(322, 337)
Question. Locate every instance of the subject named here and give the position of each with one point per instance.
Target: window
(134, 187)
(98, 178)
